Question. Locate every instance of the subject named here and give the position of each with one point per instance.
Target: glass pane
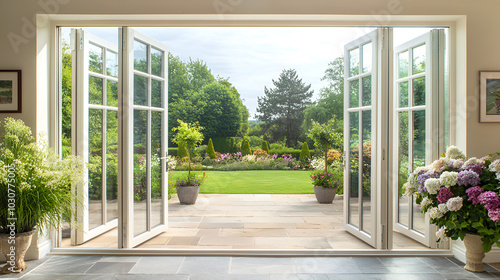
(418, 217)
(418, 139)
(95, 59)
(140, 90)
(367, 57)
(95, 168)
(112, 94)
(419, 91)
(111, 63)
(403, 94)
(354, 169)
(156, 169)
(95, 90)
(156, 62)
(367, 91)
(112, 165)
(156, 93)
(418, 64)
(367, 166)
(354, 62)
(354, 94)
(403, 168)
(403, 64)
(140, 172)
(140, 56)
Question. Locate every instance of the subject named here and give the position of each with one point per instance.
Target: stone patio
(253, 221)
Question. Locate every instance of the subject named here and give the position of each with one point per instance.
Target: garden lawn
(256, 182)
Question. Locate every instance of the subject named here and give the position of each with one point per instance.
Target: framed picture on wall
(10, 91)
(489, 91)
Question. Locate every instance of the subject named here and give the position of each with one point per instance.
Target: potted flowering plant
(462, 198)
(188, 187)
(324, 135)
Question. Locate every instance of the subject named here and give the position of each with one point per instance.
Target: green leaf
(464, 224)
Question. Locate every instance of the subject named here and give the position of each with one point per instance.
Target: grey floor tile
(248, 277)
(152, 277)
(110, 268)
(250, 265)
(299, 277)
(157, 265)
(205, 265)
(326, 265)
(66, 264)
(31, 265)
(120, 259)
(66, 277)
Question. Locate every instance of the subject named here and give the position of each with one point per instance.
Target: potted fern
(35, 190)
(189, 135)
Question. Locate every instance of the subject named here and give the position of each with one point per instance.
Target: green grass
(255, 182)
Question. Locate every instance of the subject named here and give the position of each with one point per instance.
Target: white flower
(471, 161)
(484, 159)
(443, 208)
(420, 169)
(458, 163)
(439, 165)
(495, 166)
(432, 185)
(409, 189)
(441, 234)
(412, 180)
(434, 213)
(454, 153)
(448, 178)
(425, 202)
(455, 203)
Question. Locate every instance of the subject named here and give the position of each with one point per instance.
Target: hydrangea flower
(458, 163)
(490, 200)
(422, 189)
(444, 195)
(476, 168)
(471, 161)
(474, 193)
(441, 234)
(409, 189)
(420, 170)
(468, 178)
(494, 215)
(454, 153)
(443, 208)
(434, 213)
(448, 178)
(425, 202)
(455, 203)
(432, 185)
(439, 165)
(495, 166)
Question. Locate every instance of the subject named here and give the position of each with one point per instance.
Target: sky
(251, 57)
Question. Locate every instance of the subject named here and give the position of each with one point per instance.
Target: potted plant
(324, 136)
(35, 190)
(189, 135)
(462, 198)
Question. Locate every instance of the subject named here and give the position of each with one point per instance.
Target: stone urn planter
(474, 253)
(14, 252)
(324, 195)
(188, 194)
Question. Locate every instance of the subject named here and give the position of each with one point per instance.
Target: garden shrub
(265, 146)
(332, 156)
(305, 154)
(200, 150)
(172, 151)
(260, 153)
(222, 144)
(181, 151)
(245, 148)
(210, 149)
(295, 153)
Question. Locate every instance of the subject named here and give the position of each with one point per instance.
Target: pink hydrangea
(474, 193)
(494, 215)
(490, 200)
(444, 195)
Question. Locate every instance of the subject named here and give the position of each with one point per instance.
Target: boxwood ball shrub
(305, 154)
(265, 146)
(210, 149)
(245, 148)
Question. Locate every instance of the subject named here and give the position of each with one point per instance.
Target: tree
(210, 149)
(190, 135)
(305, 154)
(245, 148)
(324, 136)
(181, 151)
(265, 146)
(281, 108)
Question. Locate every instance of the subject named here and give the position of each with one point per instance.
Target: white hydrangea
(455, 203)
(439, 165)
(441, 234)
(495, 166)
(448, 178)
(443, 208)
(425, 202)
(412, 180)
(434, 213)
(409, 189)
(458, 163)
(421, 169)
(471, 161)
(484, 159)
(454, 153)
(432, 185)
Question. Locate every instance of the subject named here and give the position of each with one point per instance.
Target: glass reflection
(367, 58)
(403, 164)
(95, 90)
(366, 168)
(140, 90)
(419, 91)
(95, 59)
(403, 64)
(140, 170)
(156, 169)
(112, 165)
(354, 62)
(111, 64)
(95, 168)
(418, 63)
(354, 94)
(140, 56)
(354, 169)
(367, 90)
(403, 94)
(156, 62)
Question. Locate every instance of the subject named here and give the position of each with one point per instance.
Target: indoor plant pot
(474, 252)
(324, 195)
(14, 252)
(188, 194)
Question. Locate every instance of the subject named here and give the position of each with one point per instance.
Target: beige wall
(17, 17)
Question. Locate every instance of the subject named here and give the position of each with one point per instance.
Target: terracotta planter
(474, 253)
(188, 195)
(324, 195)
(14, 251)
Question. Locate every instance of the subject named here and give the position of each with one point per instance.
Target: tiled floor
(248, 268)
(254, 221)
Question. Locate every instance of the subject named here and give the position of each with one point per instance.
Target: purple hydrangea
(476, 168)
(424, 176)
(444, 195)
(422, 189)
(474, 193)
(494, 215)
(468, 178)
(490, 200)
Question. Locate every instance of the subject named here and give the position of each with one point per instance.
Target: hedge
(294, 152)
